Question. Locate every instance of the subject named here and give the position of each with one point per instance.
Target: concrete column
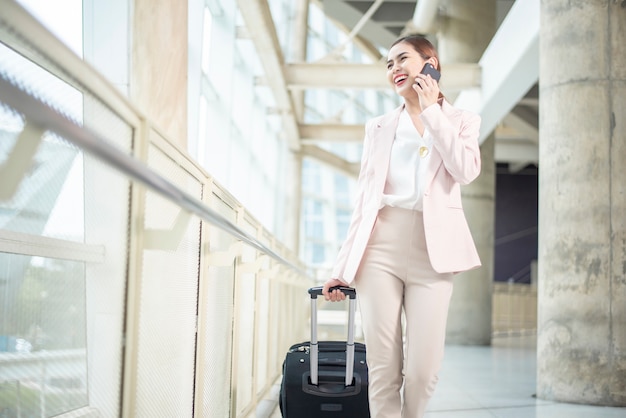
(469, 320)
(581, 342)
(466, 31)
(159, 64)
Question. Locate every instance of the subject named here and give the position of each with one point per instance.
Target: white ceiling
(501, 87)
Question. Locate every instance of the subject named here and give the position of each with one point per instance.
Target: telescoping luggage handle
(351, 294)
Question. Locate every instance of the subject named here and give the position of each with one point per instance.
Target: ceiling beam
(333, 160)
(350, 16)
(510, 67)
(517, 167)
(425, 15)
(516, 151)
(523, 126)
(360, 42)
(258, 20)
(529, 101)
(455, 77)
(528, 114)
(331, 132)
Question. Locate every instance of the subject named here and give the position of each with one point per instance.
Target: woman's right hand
(335, 295)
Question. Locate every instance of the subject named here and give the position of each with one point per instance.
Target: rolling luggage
(326, 378)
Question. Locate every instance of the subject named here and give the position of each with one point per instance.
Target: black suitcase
(326, 378)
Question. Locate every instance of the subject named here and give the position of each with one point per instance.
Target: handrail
(41, 115)
(515, 235)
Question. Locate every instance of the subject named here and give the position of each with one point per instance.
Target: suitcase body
(327, 378)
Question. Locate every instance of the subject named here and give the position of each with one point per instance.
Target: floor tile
(497, 382)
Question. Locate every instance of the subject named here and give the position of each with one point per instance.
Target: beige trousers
(395, 275)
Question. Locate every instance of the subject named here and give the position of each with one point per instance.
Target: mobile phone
(429, 69)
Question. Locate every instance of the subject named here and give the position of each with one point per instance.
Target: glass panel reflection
(43, 364)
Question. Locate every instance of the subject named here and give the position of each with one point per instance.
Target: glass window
(206, 39)
(343, 223)
(311, 178)
(318, 255)
(342, 190)
(43, 321)
(314, 220)
(62, 17)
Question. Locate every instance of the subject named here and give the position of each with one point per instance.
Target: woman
(408, 234)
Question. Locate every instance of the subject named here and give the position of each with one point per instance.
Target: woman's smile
(400, 79)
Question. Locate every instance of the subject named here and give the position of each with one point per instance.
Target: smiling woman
(405, 240)
(421, 57)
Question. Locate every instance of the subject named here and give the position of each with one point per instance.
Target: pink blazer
(454, 160)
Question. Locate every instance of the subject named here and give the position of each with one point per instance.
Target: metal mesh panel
(245, 340)
(215, 359)
(63, 250)
(106, 227)
(245, 314)
(43, 369)
(165, 369)
(262, 328)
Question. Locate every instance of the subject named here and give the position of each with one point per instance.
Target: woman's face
(403, 65)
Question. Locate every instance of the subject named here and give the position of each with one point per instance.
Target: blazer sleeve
(357, 214)
(455, 135)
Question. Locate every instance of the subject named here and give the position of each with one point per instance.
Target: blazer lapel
(433, 165)
(383, 135)
(435, 157)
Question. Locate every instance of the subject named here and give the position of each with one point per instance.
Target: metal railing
(514, 309)
(115, 243)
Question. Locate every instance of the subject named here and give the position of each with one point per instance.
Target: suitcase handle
(351, 293)
(348, 291)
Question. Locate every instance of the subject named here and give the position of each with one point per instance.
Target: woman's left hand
(335, 295)
(427, 90)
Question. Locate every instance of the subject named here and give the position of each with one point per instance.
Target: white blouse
(410, 154)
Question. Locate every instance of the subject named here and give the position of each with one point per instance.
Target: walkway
(497, 382)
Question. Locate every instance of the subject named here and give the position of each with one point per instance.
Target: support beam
(528, 115)
(258, 19)
(455, 77)
(516, 151)
(350, 16)
(327, 157)
(510, 67)
(425, 15)
(355, 30)
(360, 42)
(515, 168)
(523, 126)
(331, 132)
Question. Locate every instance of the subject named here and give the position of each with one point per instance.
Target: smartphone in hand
(429, 69)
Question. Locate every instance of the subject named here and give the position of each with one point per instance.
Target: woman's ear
(435, 62)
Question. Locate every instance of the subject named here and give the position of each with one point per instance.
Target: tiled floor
(497, 382)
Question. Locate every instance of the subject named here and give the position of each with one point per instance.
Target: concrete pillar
(465, 32)
(581, 342)
(159, 64)
(469, 320)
